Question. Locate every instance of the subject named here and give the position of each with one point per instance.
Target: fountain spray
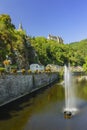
(70, 106)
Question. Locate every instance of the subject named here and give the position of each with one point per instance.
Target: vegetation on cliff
(23, 50)
(15, 44)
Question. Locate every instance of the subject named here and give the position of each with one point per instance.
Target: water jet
(70, 106)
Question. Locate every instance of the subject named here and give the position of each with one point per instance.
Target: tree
(6, 34)
(85, 65)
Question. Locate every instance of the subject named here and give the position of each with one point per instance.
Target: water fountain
(70, 105)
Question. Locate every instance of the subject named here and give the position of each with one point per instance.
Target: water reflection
(44, 111)
(15, 116)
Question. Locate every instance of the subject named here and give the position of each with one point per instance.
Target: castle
(56, 38)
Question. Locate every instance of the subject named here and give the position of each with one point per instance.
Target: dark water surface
(44, 111)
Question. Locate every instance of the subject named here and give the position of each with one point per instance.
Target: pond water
(44, 110)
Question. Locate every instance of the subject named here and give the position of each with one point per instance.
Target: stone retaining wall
(16, 86)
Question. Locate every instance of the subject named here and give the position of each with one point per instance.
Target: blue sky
(65, 18)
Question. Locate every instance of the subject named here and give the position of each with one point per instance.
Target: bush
(2, 70)
(29, 71)
(14, 71)
(23, 71)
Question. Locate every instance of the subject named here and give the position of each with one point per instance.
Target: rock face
(16, 86)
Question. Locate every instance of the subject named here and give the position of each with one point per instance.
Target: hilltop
(24, 50)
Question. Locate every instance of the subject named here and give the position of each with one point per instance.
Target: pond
(43, 110)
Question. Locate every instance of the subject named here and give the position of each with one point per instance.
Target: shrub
(23, 71)
(2, 70)
(14, 71)
(29, 71)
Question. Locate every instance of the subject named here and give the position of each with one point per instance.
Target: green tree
(6, 35)
(85, 65)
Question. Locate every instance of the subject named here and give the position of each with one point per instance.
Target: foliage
(24, 50)
(85, 65)
(80, 51)
(2, 69)
(51, 52)
(14, 44)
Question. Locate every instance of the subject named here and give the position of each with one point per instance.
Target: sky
(64, 18)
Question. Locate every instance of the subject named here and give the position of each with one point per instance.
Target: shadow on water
(5, 111)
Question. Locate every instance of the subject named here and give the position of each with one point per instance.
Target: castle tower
(20, 28)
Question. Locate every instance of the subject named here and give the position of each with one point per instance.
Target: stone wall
(16, 86)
